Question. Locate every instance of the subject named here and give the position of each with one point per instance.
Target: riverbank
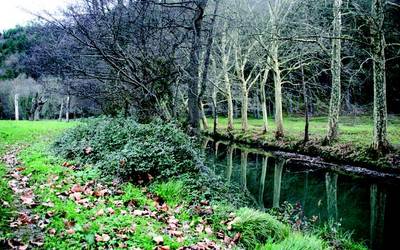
(54, 203)
(351, 148)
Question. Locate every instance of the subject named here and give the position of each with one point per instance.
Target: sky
(12, 11)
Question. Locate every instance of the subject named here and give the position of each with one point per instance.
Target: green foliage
(336, 238)
(296, 241)
(129, 150)
(14, 41)
(257, 227)
(173, 192)
(133, 193)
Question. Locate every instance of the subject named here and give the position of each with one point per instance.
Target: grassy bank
(66, 205)
(352, 146)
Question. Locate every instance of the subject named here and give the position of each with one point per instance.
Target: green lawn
(21, 132)
(353, 130)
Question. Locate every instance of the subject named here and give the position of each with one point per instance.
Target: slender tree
(380, 142)
(334, 106)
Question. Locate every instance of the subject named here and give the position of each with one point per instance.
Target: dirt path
(26, 225)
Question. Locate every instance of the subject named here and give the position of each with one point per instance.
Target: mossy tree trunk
(225, 51)
(194, 67)
(380, 142)
(279, 133)
(334, 105)
(204, 121)
(306, 116)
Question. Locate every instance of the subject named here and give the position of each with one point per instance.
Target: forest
(201, 124)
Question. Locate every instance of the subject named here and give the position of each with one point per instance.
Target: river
(368, 208)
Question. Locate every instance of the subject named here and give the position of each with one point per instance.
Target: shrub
(258, 227)
(129, 150)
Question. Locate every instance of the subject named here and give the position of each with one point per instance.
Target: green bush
(257, 227)
(129, 150)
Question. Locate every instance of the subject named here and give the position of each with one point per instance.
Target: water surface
(368, 208)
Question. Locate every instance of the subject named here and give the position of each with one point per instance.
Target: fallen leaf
(158, 239)
(76, 188)
(208, 230)
(100, 212)
(110, 210)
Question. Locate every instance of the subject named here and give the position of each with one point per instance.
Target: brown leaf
(100, 212)
(110, 210)
(200, 228)
(75, 196)
(100, 193)
(208, 230)
(176, 233)
(76, 188)
(158, 239)
(236, 238)
(102, 238)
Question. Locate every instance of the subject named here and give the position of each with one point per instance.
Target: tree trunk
(334, 106)
(67, 108)
(207, 57)
(245, 106)
(33, 106)
(264, 101)
(215, 109)
(193, 69)
(380, 142)
(228, 87)
(279, 133)
(16, 106)
(61, 109)
(204, 121)
(306, 134)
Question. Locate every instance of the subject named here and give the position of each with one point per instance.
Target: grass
(256, 226)
(12, 134)
(353, 130)
(173, 192)
(296, 241)
(20, 132)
